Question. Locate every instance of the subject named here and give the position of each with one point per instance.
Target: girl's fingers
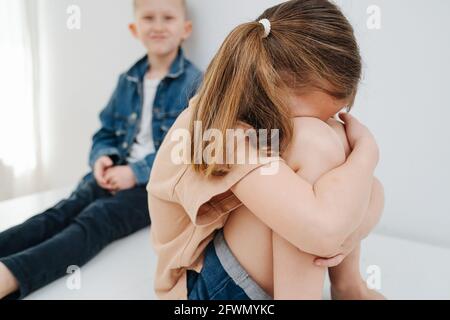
(347, 118)
(344, 116)
(329, 263)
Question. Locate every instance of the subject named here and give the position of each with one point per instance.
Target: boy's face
(161, 25)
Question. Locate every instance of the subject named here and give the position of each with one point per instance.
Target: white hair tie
(267, 27)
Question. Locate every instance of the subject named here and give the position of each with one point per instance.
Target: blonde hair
(183, 2)
(310, 43)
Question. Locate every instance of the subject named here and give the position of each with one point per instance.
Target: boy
(111, 202)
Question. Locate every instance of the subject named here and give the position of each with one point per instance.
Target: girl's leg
(281, 269)
(346, 276)
(347, 282)
(295, 275)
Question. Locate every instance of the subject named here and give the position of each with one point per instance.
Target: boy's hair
(183, 2)
(311, 44)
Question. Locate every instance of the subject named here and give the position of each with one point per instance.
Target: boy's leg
(102, 222)
(45, 225)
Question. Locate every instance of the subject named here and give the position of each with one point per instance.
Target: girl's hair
(311, 44)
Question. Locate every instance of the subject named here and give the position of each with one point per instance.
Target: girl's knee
(314, 139)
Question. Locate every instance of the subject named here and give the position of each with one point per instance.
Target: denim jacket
(121, 118)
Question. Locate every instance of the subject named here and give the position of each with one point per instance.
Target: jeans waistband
(234, 269)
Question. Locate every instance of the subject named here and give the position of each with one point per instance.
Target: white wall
(79, 69)
(403, 97)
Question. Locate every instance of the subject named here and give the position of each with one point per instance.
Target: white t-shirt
(144, 144)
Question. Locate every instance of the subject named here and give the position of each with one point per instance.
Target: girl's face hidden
(315, 103)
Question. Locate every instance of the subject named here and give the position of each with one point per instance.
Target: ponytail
(240, 84)
(295, 46)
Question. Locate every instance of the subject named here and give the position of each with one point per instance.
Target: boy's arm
(104, 140)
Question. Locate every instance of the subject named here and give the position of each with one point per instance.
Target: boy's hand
(120, 178)
(100, 167)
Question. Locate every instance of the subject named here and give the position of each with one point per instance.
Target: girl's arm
(287, 259)
(371, 219)
(316, 218)
(376, 204)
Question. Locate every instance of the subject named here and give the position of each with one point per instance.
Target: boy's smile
(161, 25)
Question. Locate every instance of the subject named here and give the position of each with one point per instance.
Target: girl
(233, 231)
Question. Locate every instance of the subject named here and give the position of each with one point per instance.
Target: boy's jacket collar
(137, 72)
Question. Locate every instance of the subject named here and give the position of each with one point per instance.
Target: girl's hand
(357, 133)
(347, 248)
(329, 263)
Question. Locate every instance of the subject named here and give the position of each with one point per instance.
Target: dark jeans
(71, 233)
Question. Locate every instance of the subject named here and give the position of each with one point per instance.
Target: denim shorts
(222, 276)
